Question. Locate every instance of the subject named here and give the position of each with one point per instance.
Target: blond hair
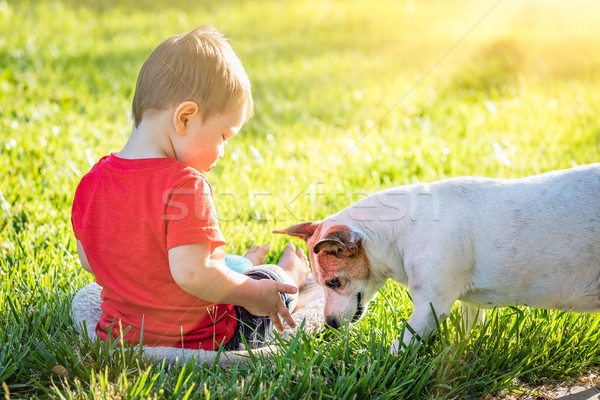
(197, 66)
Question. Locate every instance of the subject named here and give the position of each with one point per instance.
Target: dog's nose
(332, 322)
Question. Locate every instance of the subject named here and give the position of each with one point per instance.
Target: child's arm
(83, 258)
(218, 254)
(213, 281)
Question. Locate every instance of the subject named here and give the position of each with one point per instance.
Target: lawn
(351, 97)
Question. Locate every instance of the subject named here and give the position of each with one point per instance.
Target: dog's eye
(334, 283)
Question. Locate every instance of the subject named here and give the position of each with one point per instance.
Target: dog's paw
(396, 348)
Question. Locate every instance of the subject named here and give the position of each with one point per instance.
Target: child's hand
(257, 254)
(268, 302)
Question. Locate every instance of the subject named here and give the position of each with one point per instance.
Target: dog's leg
(471, 315)
(422, 319)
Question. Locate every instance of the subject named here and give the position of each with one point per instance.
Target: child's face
(204, 142)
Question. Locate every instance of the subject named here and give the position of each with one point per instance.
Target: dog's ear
(303, 231)
(340, 241)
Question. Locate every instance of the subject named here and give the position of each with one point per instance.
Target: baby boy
(145, 221)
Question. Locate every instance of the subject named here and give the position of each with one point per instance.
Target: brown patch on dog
(337, 254)
(340, 255)
(339, 239)
(304, 230)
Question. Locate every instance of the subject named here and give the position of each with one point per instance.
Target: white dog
(486, 242)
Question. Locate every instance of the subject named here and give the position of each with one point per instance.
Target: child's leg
(257, 254)
(295, 264)
(292, 269)
(256, 330)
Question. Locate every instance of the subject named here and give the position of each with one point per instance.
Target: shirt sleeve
(190, 215)
(75, 218)
(80, 200)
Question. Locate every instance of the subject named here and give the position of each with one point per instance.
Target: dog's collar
(359, 308)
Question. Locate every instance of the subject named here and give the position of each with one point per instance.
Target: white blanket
(86, 311)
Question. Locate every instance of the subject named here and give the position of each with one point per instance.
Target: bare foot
(257, 254)
(294, 263)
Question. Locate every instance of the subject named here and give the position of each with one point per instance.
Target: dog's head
(340, 264)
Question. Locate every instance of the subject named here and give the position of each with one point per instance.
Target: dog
(533, 241)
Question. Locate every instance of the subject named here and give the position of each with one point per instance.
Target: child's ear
(183, 115)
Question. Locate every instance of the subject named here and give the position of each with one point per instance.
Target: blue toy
(237, 263)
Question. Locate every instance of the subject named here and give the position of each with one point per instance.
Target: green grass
(351, 97)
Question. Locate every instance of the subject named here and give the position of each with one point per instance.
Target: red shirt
(127, 214)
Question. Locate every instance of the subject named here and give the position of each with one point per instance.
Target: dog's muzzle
(334, 322)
